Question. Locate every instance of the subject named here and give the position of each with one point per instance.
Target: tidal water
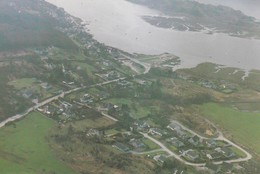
(118, 23)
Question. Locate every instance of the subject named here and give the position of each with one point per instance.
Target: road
(147, 152)
(146, 66)
(171, 154)
(220, 137)
(163, 147)
(19, 116)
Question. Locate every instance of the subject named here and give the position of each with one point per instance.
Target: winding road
(146, 66)
(220, 137)
(163, 147)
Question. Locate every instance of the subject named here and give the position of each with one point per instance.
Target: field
(22, 83)
(138, 110)
(243, 126)
(24, 149)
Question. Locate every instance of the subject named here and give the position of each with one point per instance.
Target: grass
(120, 101)
(92, 123)
(151, 145)
(238, 152)
(137, 110)
(86, 67)
(24, 149)
(22, 83)
(243, 126)
(111, 132)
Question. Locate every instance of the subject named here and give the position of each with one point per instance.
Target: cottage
(157, 131)
(93, 132)
(122, 147)
(173, 126)
(227, 153)
(214, 155)
(211, 143)
(136, 143)
(195, 141)
(177, 143)
(160, 158)
(46, 86)
(141, 125)
(27, 93)
(86, 99)
(215, 168)
(192, 155)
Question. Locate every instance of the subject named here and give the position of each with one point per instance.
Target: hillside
(193, 16)
(29, 23)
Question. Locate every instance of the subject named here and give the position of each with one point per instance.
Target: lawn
(151, 145)
(244, 126)
(25, 150)
(92, 123)
(22, 83)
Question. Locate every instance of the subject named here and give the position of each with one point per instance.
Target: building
(174, 126)
(160, 158)
(214, 155)
(136, 143)
(157, 131)
(195, 141)
(192, 155)
(176, 143)
(122, 147)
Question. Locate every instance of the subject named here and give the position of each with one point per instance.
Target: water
(118, 23)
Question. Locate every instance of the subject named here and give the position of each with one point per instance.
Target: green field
(243, 126)
(25, 150)
(151, 145)
(22, 83)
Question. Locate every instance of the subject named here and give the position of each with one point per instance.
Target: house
(86, 99)
(181, 134)
(195, 141)
(173, 126)
(46, 86)
(109, 106)
(136, 143)
(65, 105)
(214, 155)
(160, 158)
(122, 147)
(228, 167)
(141, 125)
(220, 169)
(112, 75)
(27, 93)
(102, 95)
(123, 83)
(192, 155)
(157, 131)
(177, 143)
(211, 143)
(216, 169)
(226, 152)
(93, 132)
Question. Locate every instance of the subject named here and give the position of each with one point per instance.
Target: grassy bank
(24, 149)
(243, 126)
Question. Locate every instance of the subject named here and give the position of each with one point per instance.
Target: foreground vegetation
(242, 126)
(25, 149)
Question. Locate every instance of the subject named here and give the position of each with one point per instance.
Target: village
(138, 136)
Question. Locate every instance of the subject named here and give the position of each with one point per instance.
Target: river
(118, 23)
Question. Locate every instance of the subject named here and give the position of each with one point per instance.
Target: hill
(185, 15)
(29, 23)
